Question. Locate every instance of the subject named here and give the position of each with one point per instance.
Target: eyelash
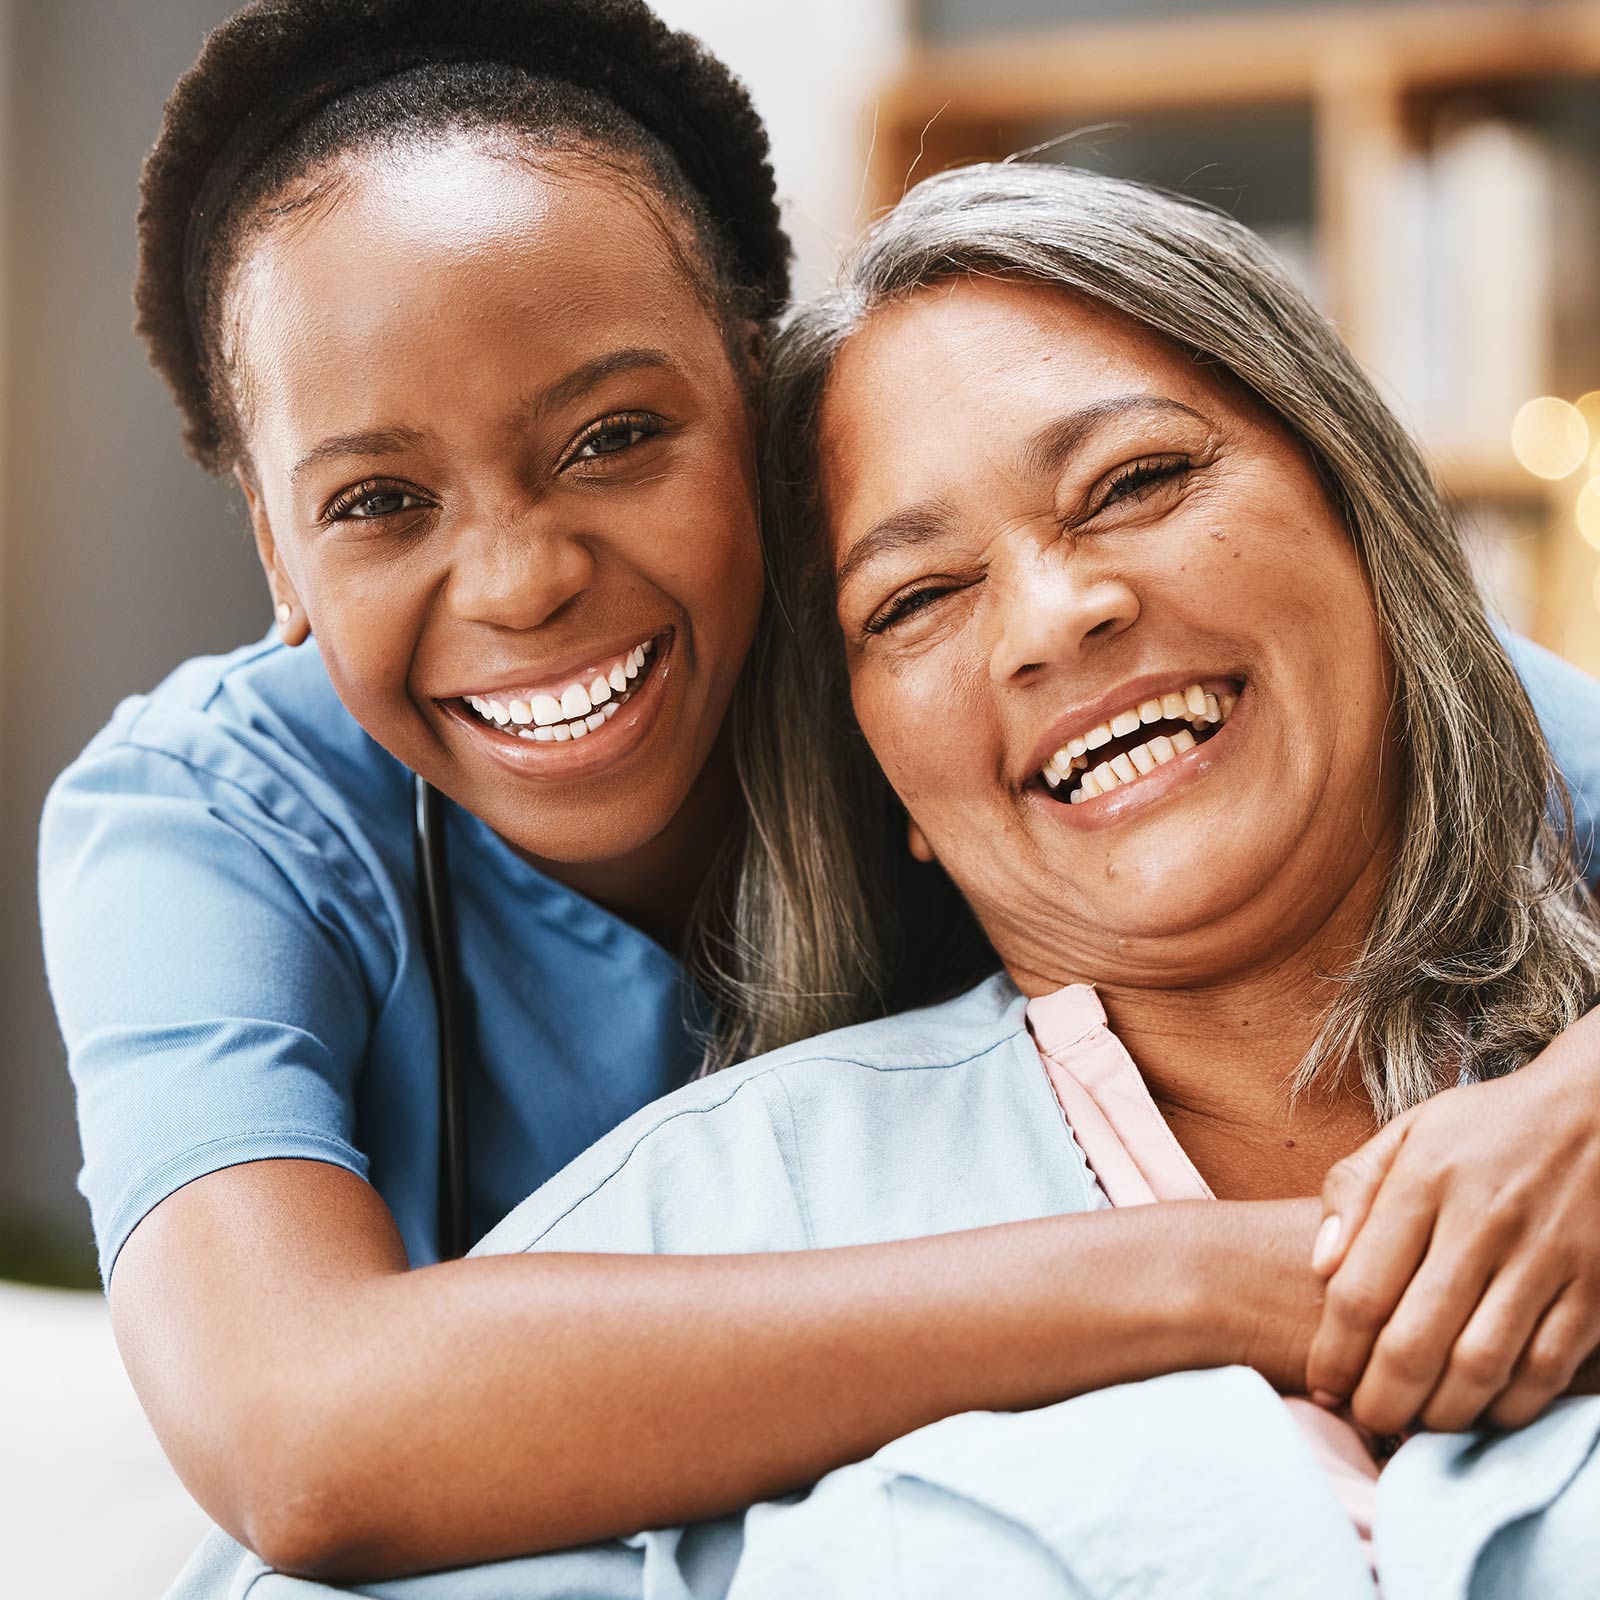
(343, 504)
(644, 423)
(1139, 477)
(1131, 483)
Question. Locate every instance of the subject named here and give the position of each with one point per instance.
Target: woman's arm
(346, 1417)
(1464, 1264)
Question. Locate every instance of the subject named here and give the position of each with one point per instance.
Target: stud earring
(284, 613)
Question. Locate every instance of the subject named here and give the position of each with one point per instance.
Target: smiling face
(1055, 532)
(500, 462)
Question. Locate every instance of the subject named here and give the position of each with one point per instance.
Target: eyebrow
(1044, 452)
(573, 386)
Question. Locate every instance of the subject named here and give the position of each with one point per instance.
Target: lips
(1133, 742)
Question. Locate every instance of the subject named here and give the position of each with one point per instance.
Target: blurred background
(1431, 173)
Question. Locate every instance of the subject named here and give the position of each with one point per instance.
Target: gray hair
(1483, 946)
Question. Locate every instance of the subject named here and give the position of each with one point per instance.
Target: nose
(516, 569)
(1053, 606)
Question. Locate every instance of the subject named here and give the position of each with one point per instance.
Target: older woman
(1159, 633)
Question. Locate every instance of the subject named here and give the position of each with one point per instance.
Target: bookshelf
(1431, 171)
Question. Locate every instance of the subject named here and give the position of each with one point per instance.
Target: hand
(1462, 1248)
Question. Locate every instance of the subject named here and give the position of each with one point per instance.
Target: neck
(1220, 1058)
(655, 886)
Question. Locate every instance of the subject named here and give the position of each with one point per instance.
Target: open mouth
(1134, 742)
(574, 711)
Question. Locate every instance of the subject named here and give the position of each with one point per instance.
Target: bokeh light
(1588, 511)
(1550, 437)
(1589, 409)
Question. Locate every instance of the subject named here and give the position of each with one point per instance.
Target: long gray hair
(1483, 946)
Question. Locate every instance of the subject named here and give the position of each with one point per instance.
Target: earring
(284, 613)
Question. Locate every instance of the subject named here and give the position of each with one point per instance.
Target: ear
(293, 624)
(921, 850)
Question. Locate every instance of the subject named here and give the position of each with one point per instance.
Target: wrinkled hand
(1462, 1248)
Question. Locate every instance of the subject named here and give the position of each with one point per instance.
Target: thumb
(1349, 1190)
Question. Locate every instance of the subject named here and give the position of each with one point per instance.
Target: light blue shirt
(1191, 1485)
(232, 938)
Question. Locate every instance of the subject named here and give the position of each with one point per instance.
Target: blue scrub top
(234, 948)
(232, 940)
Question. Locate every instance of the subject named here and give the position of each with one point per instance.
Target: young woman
(471, 300)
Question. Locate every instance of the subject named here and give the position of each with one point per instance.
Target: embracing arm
(348, 1418)
(1462, 1247)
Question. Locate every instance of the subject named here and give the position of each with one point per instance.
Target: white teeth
(579, 730)
(630, 668)
(594, 720)
(545, 735)
(499, 712)
(1202, 708)
(610, 709)
(599, 692)
(521, 713)
(618, 678)
(575, 702)
(562, 732)
(546, 709)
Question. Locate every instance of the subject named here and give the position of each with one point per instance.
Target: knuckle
(1357, 1302)
(1407, 1356)
(1479, 1363)
(1546, 1366)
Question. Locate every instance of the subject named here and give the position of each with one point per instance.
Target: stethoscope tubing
(438, 942)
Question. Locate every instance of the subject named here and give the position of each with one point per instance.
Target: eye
(905, 605)
(1138, 479)
(612, 436)
(370, 501)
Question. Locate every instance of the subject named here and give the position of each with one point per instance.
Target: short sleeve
(212, 968)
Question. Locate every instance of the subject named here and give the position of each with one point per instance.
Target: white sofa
(89, 1508)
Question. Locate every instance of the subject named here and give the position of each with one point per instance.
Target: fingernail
(1327, 1244)
(1329, 1402)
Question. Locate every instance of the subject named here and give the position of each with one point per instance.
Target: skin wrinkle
(446, 290)
(1210, 919)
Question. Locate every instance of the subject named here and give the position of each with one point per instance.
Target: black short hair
(285, 85)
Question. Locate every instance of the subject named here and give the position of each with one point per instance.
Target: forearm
(498, 1406)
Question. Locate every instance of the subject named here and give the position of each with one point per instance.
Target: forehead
(933, 385)
(457, 259)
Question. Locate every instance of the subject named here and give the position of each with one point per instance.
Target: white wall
(811, 70)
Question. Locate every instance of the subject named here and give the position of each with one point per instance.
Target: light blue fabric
(1194, 1487)
(232, 942)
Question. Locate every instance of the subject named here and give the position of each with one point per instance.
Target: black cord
(438, 936)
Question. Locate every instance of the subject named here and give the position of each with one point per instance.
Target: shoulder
(256, 736)
(892, 1128)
